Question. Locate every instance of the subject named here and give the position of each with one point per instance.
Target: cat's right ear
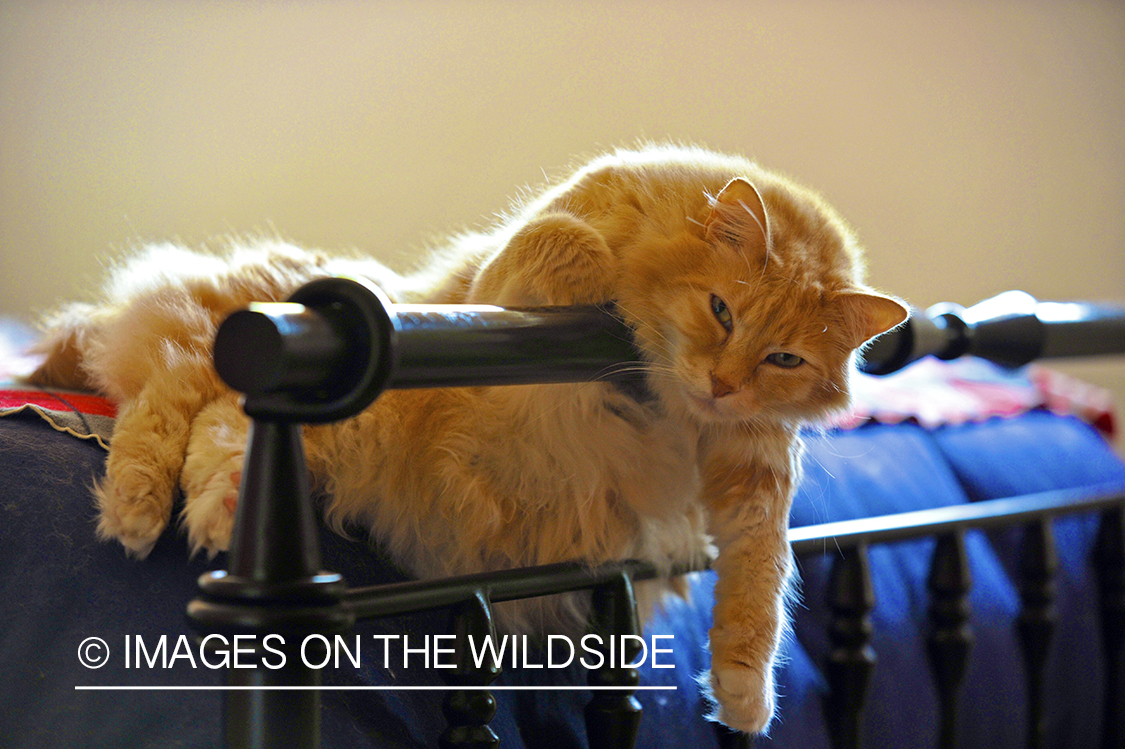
(738, 218)
(868, 314)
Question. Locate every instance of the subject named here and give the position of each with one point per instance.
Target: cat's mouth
(708, 408)
(711, 409)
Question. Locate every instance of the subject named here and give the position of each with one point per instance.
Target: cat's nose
(720, 387)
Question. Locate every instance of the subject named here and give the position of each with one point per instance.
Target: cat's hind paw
(132, 509)
(744, 697)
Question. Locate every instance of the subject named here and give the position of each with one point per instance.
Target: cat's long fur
(746, 295)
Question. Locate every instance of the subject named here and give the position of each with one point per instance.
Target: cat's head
(755, 311)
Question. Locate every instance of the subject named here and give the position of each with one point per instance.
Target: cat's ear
(867, 314)
(738, 217)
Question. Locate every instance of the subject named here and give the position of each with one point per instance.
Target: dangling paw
(135, 505)
(212, 475)
(146, 457)
(744, 697)
(741, 679)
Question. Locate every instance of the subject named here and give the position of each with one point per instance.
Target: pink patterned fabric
(935, 393)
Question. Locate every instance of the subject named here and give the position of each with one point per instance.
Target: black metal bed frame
(328, 353)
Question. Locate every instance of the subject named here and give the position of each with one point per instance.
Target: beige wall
(975, 146)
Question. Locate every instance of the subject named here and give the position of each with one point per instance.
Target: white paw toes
(209, 514)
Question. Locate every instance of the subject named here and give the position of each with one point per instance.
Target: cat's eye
(785, 360)
(722, 314)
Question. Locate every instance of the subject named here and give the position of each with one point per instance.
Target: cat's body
(745, 295)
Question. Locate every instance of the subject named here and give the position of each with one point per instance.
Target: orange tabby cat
(746, 296)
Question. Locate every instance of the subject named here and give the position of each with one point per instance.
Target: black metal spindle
(1109, 563)
(613, 717)
(1037, 619)
(851, 659)
(951, 637)
(469, 710)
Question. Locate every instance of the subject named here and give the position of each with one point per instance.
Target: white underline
(166, 688)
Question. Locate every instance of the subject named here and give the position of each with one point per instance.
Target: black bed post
(322, 357)
(275, 593)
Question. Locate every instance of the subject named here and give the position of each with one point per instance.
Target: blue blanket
(62, 586)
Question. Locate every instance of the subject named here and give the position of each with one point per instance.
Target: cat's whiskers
(661, 344)
(656, 372)
(640, 323)
(636, 368)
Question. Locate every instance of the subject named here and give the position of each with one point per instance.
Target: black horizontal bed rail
(1011, 329)
(337, 343)
(335, 329)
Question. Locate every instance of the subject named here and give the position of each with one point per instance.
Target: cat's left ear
(867, 314)
(738, 217)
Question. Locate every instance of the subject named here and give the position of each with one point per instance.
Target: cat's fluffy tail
(62, 348)
(167, 294)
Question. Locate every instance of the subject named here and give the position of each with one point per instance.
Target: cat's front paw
(744, 696)
(554, 259)
(135, 504)
(741, 679)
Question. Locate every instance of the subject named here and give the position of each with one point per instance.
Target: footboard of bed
(338, 343)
